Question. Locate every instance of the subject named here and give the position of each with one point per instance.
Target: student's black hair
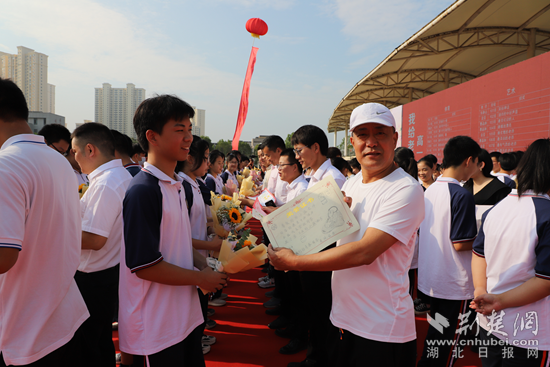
(340, 163)
(237, 154)
(137, 149)
(404, 157)
(261, 146)
(153, 113)
(230, 157)
(95, 134)
(197, 150)
(533, 169)
(244, 158)
(519, 154)
(309, 135)
(458, 149)
(495, 155)
(123, 143)
(485, 157)
(430, 160)
(333, 152)
(289, 153)
(214, 155)
(508, 161)
(273, 142)
(354, 163)
(53, 133)
(13, 105)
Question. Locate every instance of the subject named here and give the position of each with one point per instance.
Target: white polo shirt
(101, 207)
(449, 218)
(197, 218)
(154, 316)
(327, 169)
(296, 188)
(41, 306)
(514, 239)
(373, 301)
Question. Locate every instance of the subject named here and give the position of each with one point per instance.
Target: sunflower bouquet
(82, 189)
(227, 215)
(243, 254)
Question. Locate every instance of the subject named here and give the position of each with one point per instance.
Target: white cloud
(371, 22)
(275, 4)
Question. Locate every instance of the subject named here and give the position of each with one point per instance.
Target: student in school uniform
(446, 237)
(508, 163)
(40, 234)
(230, 173)
(370, 266)
(97, 275)
(160, 313)
(311, 148)
(512, 281)
(214, 181)
(123, 151)
(190, 171)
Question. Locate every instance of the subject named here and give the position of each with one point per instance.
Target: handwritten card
(311, 221)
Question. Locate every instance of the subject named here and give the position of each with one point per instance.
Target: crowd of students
(132, 251)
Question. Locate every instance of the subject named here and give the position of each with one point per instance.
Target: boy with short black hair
(123, 151)
(160, 313)
(56, 137)
(97, 275)
(138, 154)
(496, 166)
(446, 237)
(272, 147)
(508, 163)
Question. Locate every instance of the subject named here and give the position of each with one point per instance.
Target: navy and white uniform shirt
(155, 316)
(506, 179)
(514, 239)
(133, 168)
(449, 218)
(215, 183)
(198, 213)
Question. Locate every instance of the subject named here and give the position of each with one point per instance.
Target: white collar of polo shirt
(193, 183)
(294, 183)
(321, 170)
(448, 179)
(105, 167)
(162, 176)
(23, 138)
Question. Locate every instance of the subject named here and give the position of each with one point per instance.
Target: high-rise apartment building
(115, 107)
(29, 70)
(199, 122)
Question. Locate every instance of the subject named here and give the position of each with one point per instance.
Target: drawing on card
(334, 220)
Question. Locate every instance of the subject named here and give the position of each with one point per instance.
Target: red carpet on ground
(243, 338)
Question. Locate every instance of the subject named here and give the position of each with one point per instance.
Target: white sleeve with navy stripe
(514, 238)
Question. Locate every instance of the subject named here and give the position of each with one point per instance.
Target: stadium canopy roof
(469, 39)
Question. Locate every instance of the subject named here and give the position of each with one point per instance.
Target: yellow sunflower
(235, 216)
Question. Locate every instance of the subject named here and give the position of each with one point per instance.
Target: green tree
(245, 148)
(288, 140)
(224, 146)
(351, 152)
(208, 140)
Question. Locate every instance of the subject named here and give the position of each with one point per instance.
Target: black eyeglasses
(64, 154)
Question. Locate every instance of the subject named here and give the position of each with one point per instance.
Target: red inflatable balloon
(256, 27)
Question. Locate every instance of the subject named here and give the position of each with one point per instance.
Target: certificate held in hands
(311, 221)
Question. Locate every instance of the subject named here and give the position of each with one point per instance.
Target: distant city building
(258, 140)
(115, 107)
(37, 120)
(29, 70)
(199, 122)
(78, 124)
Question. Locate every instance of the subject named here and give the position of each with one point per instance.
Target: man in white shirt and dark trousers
(445, 251)
(371, 309)
(97, 275)
(310, 148)
(42, 309)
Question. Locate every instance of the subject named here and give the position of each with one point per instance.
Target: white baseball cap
(371, 113)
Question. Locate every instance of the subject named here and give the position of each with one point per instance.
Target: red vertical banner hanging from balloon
(243, 108)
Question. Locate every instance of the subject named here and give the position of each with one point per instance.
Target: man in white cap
(371, 308)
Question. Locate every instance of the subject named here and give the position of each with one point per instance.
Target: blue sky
(313, 54)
